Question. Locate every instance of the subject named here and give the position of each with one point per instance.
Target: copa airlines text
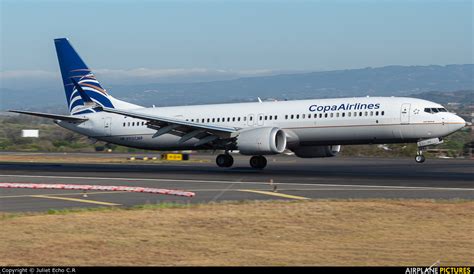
(309, 128)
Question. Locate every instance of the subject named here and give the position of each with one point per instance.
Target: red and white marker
(100, 188)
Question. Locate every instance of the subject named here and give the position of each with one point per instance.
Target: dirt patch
(323, 232)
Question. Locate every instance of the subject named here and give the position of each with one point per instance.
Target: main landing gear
(258, 162)
(226, 160)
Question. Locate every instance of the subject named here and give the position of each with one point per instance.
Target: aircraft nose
(457, 123)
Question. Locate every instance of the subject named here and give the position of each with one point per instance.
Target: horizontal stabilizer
(51, 116)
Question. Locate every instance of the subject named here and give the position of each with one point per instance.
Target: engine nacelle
(317, 151)
(261, 141)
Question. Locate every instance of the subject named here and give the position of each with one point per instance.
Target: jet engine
(261, 141)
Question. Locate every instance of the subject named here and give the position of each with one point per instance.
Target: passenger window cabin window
(383, 113)
(355, 114)
(337, 114)
(332, 114)
(233, 119)
(320, 115)
(286, 117)
(376, 113)
(270, 117)
(325, 115)
(349, 114)
(245, 118)
(343, 114)
(123, 124)
(315, 115)
(238, 119)
(366, 113)
(265, 117)
(261, 118)
(360, 113)
(292, 116)
(297, 116)
(208, 120)
(302, 116)
(371, 113)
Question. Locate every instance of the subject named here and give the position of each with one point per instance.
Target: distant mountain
(383, 81)
(462, 97)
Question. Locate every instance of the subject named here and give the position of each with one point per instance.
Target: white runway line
(233, 182)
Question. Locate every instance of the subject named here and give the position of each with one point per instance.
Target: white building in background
(30, 133)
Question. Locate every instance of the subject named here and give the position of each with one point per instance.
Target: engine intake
(261, 141)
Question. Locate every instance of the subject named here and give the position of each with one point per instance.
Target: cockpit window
(435, 110)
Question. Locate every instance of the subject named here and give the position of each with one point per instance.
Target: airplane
(308, 128)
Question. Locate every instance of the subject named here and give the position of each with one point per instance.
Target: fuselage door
(108, 126)
(405, 114)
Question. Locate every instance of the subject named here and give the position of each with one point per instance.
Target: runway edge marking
(231, 182)
(75, 200)
(274, 194)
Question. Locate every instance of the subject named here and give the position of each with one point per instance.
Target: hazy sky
(234, 36)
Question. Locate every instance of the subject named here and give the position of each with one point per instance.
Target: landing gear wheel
(258, 162)
(420, 159)
(224, 160)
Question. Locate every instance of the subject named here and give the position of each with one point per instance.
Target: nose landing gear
(419, 158)
(422, 144)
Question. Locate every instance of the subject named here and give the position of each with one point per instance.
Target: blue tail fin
(72, 67)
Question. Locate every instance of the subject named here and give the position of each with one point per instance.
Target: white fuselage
(362, 120)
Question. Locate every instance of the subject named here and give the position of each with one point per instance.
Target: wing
(52, 116)
(187, 130)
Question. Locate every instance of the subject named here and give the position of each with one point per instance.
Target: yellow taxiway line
(74, 200)
(275, 194)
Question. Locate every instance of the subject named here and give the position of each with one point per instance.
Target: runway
(284, 178)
